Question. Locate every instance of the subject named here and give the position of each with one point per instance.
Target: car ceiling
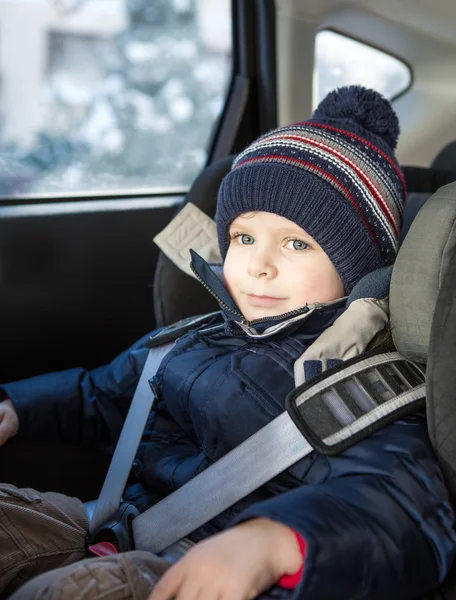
(436, 18)
(419, 32)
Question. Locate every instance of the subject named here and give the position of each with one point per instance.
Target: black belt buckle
(118, 530)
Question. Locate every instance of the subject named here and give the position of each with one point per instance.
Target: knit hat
(334, 175)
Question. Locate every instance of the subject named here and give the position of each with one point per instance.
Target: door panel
(76, 281)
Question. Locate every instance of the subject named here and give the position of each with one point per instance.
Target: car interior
(80, 276)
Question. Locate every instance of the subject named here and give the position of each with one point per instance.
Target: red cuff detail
(103, 549)
(289, 582)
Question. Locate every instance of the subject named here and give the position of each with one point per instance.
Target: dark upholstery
(54, 466)
(422, 179)
(421, 184)
(446, 158)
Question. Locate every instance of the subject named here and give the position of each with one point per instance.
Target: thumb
(8, 423)
(4, 429)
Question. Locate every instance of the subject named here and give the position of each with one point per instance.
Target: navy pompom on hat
(335, 175)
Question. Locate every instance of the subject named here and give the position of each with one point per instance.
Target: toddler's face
(273, 267)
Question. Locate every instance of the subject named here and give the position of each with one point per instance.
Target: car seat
(423, 324)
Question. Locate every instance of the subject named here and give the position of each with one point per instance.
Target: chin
(260, 315)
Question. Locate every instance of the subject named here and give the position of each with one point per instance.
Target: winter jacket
(376, 519)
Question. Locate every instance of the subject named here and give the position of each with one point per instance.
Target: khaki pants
(44, 534)
(127, 576)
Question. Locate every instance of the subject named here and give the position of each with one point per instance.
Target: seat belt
(333, 411)
(127, 446)
(111, 493)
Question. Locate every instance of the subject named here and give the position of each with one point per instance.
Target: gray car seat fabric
(441, 376)
(417, 276)
(423, 316)
(423, 324)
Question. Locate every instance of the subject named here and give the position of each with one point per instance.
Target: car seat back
(422, 293)
(176, 294)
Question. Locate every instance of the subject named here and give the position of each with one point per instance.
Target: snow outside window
(109, 96)
(340, 60)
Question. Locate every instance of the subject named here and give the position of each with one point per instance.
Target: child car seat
(424, 277)
(422, 294)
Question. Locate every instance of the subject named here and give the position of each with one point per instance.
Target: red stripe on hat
(314, 168)
(384, 207)
(360, 139)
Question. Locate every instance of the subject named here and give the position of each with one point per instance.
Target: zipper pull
(245, 326)
(153, 383)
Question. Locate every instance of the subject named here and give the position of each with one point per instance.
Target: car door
(109, 111)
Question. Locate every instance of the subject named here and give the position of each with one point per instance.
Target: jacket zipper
(292, 313)
(219, 300)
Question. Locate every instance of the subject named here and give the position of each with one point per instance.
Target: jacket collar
(260, 328)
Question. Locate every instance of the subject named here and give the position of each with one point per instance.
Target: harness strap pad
(177, 330)
(338, 409)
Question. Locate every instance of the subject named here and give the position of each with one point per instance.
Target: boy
(306, 212)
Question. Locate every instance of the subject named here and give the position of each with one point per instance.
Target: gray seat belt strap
(254, 462)
(274, 448)
(111, 493)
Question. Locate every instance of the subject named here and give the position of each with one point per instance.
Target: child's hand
(9, 422)
(237, 564)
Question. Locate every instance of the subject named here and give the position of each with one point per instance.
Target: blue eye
(246, 240)
(296, 245)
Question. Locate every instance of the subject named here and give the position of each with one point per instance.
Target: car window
(341, 60)
(109, 96)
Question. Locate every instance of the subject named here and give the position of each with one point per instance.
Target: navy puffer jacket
(376, 519)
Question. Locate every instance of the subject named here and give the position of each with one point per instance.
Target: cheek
(317, 281)
(230, 272)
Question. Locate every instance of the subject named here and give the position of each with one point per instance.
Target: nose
(262, 264)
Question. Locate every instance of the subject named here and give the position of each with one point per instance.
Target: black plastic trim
(250, 107)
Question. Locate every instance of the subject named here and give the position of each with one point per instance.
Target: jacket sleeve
(379, 526)
(77, 405)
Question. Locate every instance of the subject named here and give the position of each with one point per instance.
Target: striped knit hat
(334, 175)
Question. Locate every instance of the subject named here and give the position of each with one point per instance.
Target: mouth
(263, 301)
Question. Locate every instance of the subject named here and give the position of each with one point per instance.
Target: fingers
(184, 587)
(181, 583)
(5, 430)
(169, 584)
(8, 424)
(190, 590)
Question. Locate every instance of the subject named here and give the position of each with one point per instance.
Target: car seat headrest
(419, 270)
(373, 285)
